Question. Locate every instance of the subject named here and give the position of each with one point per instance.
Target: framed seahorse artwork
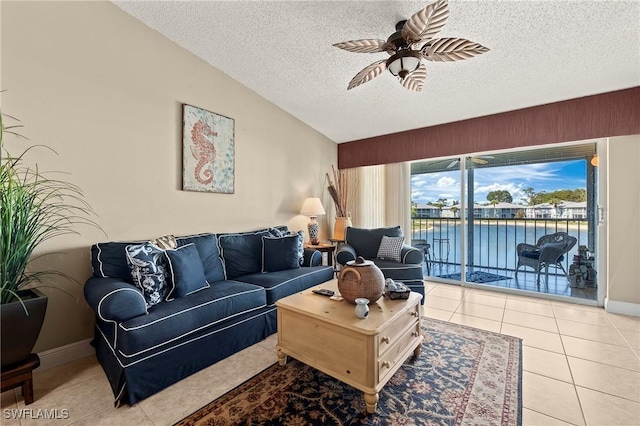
(208, 151)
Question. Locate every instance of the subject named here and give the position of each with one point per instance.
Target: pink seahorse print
(203, 150)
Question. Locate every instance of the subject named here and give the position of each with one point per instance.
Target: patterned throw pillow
(390, 248)
(148, 271)
(165, 242)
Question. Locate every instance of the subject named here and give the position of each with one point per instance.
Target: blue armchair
(366, 242)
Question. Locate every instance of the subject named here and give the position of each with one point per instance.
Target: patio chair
(548, 251)
(426, 247)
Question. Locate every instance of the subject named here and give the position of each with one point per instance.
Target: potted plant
(33, 209)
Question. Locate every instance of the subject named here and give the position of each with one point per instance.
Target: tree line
(531, 197)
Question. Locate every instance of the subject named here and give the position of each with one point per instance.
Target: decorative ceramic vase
(362, 308)
(340, 226)
(361, 278)
(314, 228)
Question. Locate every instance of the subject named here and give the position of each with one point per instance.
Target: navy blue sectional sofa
(144, 349)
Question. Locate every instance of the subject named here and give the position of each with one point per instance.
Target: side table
(324, 248)
(21, 375)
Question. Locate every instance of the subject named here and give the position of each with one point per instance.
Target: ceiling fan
(478, 160)
(410, 45)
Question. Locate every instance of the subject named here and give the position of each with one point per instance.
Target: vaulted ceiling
(540, 52)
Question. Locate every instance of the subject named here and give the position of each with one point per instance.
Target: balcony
(492, 261)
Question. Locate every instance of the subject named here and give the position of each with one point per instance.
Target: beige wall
(105, 92)
(623, 224)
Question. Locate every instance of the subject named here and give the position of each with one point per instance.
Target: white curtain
(383, 197)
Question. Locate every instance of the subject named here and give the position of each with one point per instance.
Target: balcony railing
(494, 240)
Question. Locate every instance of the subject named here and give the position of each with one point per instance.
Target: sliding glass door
(483, 216)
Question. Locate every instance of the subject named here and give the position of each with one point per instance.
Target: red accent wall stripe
(604, 115)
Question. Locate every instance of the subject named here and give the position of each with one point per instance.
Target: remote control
(324, 292)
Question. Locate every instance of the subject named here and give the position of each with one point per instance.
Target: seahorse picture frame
(208, 151)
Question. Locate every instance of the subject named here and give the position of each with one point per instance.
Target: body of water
(494, 242)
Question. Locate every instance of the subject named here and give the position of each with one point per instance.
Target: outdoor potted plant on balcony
(33, 209)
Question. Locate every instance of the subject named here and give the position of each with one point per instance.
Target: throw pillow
(148, 271)
(185, 270)
(165, 242)
(281, 233)
(280, 253)
(390, 248)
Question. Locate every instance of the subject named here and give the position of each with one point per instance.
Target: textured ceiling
(541, 52)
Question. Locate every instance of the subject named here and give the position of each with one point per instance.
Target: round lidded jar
(361, 279)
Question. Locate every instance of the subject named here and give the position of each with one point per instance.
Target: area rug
(463, 376)
(476, 277)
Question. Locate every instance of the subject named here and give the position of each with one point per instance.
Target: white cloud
(447, 182)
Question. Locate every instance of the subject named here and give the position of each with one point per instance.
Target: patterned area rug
(463, 376)
(476, 277)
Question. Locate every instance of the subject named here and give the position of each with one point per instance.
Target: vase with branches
(342, 193)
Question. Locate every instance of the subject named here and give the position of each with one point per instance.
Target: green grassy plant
(33, 209)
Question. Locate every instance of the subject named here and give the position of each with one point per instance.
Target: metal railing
(494, 239)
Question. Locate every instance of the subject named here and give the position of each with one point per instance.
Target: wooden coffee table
(364, 353)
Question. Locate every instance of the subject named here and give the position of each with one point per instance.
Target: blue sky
(541, 177)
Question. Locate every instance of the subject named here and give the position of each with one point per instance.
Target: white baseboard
(64, 354)
(623, 308)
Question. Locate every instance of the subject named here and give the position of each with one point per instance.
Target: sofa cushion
(207, 246)
(110, 260)
(367, 241)
(185, 271)
(284, 283)
(399, 271)
(280, 253)
(148, 271)
(168, 322)
(241, 253)
(390, 248)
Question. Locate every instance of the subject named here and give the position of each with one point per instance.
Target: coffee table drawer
(398, 352)
(390, 335)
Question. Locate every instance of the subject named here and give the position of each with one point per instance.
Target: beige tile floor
(581, 366)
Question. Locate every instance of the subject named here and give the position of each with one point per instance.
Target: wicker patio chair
(548, 251)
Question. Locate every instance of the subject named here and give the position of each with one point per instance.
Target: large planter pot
(19, 330)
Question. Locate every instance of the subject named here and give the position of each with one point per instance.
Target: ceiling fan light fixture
(404, 62)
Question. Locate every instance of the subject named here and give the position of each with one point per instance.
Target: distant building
(564, 210)
(500, 210)
(427, 211)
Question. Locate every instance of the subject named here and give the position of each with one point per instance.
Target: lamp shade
(312, 207)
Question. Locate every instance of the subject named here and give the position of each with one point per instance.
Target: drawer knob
(385, 340)
(414, 313)
(386, 364)
(415, 334)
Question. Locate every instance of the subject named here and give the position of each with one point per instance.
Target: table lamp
(312, 207)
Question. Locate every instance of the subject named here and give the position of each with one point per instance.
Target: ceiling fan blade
(426, 23)
(452, 49)
(479, 160)
(364, 46)
(415, 80)
(368, 73)
(453, 163)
